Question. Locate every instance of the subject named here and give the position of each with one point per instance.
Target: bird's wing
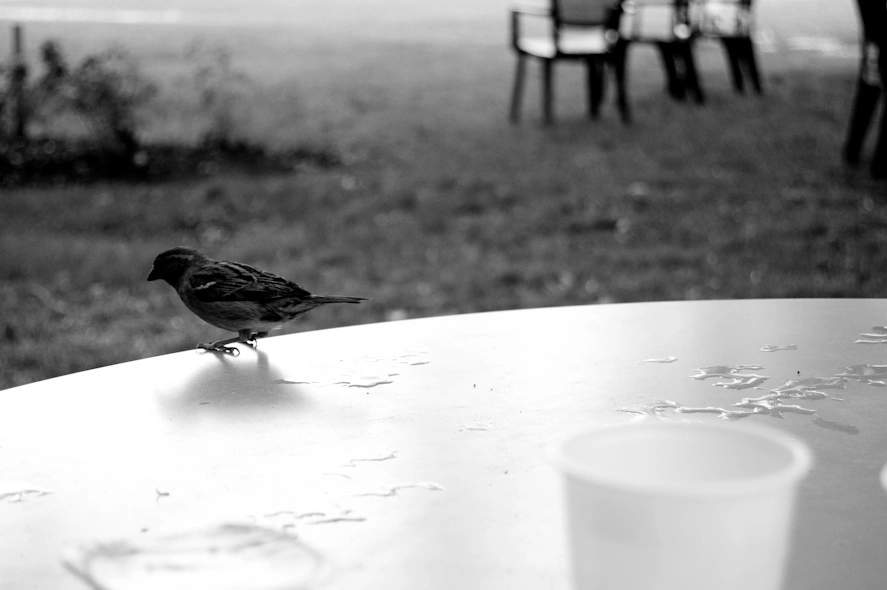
(232, 281)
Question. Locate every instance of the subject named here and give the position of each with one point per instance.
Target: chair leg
(691, 74)
(596, 74)
(731, 50)
(879, 157)
(864, 106)
(518, 90)
(619, 57)
(547, 91)
(674, 85)
(878, 166)
(751, 64)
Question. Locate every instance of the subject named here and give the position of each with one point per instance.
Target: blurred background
(362, 147)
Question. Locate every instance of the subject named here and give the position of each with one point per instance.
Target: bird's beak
(153, 276)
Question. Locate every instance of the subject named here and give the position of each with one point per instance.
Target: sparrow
(235, 296)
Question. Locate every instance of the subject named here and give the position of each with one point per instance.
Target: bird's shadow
(228, 387)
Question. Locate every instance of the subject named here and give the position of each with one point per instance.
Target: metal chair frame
(675, 47)
(738, 44)
(567, 16)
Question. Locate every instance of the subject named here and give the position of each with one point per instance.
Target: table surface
(412, 454)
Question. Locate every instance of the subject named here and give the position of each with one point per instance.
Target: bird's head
(172, 264)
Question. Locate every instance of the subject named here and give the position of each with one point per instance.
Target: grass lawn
(441, 206)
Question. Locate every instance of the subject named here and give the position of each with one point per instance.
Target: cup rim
(801, 462)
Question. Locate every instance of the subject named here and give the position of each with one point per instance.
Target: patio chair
(731, 22)
(667, 25)
(584, 30)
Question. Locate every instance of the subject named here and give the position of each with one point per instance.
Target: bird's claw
(215, 347)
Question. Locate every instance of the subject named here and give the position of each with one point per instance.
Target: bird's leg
(254, 338)
(245, 336)
(219, 346)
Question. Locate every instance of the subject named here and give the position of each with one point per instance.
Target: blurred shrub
(105, 90)
(221, 88)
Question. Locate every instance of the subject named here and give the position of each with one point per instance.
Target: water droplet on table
(288, 519)
(412, 358)
(771, 404)
(366, 372)
(722, 371)
(723, 413)
(878, 335)
(13, 492)
(868, 374)
(221, 557)
(354, 462)
(477, 426)
(667, 359)
(367, 382)
(809, 388)
(343, 517)
(393, 490)
(778, 347)
(363, 382)
(735, 377)
(652, 410)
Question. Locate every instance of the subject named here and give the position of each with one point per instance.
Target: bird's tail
(324, 299)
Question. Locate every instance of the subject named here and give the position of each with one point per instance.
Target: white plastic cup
(680, 506)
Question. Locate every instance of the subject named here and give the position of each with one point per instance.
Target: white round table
(412, 454)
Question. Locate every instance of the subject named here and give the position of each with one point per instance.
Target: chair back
(722, 18)
(584, 13)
